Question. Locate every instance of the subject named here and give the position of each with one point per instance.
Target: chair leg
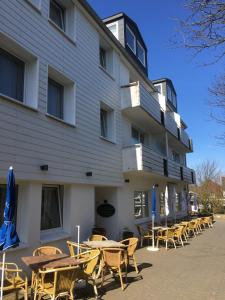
(121, 279)
(141, 242)
(166, 245)
(135, 264)
(181, 241)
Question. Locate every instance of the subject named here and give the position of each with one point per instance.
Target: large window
(52, 207)
(106, 60)
(2, 203)
(130, 39)
(141, 208)
(55, 99)
(138, 137)
(57, 14)
(178, 201)
(104, 127)
(141, 53)
(175, 156)
(11, 76)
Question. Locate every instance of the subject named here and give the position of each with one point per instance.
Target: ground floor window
(178, 202)
(52, 207)
(141, 208)
(2, 202)
(162, 204)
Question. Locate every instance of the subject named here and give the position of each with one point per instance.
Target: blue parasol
(8, 234)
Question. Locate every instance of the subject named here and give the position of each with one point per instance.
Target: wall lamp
(44, 168)
(89, 174)
(127, 180)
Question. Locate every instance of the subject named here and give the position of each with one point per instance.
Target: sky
(156, 20)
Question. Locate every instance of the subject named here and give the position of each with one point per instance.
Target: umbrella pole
(78, 238)
(153, 248)
(2, 277)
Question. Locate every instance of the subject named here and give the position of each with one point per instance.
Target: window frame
(133, 50)
(102, 59)
(62, 10)
(144, 52)
(104, 122)
(60, 205)
(144, 207)
(141, 135)
(21, 67)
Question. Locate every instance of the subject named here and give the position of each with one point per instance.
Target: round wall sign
(106, 210)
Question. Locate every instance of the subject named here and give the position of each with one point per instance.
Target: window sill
(17, 102)
(35, 7)
(54, 235)
(71, 40)
(60, 120)
(107, 140)
(106, 72)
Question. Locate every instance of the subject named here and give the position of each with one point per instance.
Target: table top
(49, 261)
(104, 244)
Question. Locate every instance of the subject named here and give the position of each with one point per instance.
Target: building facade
(82, 124)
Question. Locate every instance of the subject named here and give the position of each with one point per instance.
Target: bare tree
(207, 171)
(204, 31)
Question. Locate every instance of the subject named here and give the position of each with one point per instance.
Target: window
(141, 53)
(113, 27)
(61, 100)
(52, 207)
(178, 201)
(162, 204)
(102, 54)
(55, 99)
(137, 136)
(107, 122)
(175, 156)
(57, 14)
(141, 209)
(130, 38)
(104, 127)
(11, 76)
(2, 202)
(171, 96)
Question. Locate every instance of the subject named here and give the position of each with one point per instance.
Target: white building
(81, 123)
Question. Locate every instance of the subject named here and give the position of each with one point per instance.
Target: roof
(163, 80)
(122, 15)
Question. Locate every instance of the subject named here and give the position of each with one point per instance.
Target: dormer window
(141, 53)
(131, 40)
(171, 96)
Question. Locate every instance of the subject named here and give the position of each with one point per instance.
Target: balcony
(142, 158)
(171, 124)
(141, 107)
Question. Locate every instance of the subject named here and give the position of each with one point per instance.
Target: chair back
(131, 244)
(113, 257)
(46, 250)
(91, 261)
(75, 248)
(97, 237)
(178, 231)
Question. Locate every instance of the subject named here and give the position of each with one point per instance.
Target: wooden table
(104, 244)
(49, 261)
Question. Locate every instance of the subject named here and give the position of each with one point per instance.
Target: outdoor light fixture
(88, 174)
(44, 168)
(127, 180)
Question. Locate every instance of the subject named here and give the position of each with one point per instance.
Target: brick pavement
(195, 272)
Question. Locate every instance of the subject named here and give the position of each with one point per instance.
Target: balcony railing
(142, 158)
(136, 95)
(171, 124)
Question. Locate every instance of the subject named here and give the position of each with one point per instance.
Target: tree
(208, 187)
(204, 31)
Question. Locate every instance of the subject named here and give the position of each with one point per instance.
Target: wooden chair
(177, 235)
(114, 260)
(166, 235)
(193, 227)
(14, 279)
(44, 250)
(131, 245)
(208, 221)
(144, 234)
(89, 261)
(75, 247)
(97, 237)
(57, 283)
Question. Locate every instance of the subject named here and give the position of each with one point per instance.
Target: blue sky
(156, 21)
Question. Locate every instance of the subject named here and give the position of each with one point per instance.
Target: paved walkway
(195, 272)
